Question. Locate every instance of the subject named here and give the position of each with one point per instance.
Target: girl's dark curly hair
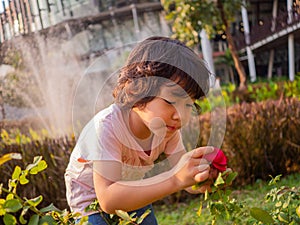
(154, 62)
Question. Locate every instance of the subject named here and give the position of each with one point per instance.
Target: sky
(1, 5)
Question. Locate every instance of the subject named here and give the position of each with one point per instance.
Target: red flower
(218, 159)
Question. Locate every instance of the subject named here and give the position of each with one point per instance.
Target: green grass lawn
(186, 213)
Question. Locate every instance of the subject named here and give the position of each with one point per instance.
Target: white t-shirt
(107, 137)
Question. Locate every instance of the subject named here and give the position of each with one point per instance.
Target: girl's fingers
(202, 176)
(202, 167)
(199, 152)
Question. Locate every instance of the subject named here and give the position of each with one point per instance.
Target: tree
(191, 16)
(227, 60)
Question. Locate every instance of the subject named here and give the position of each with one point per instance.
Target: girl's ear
(142, 106)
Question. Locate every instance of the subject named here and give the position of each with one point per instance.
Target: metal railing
(19, 17)
(269, 27)
(24, 16)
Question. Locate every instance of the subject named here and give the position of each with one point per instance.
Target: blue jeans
(97, 218)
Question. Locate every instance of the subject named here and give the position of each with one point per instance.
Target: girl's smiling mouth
(172, 128)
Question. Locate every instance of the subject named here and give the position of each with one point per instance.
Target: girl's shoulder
(112, 115)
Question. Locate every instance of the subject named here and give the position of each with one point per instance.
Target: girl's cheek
(185, 120)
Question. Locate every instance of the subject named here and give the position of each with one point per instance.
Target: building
(272, 36)
(267, 32)
(106, 23)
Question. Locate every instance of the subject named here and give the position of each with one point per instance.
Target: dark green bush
(261, 139)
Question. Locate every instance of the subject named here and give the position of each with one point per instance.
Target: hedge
(261, 139)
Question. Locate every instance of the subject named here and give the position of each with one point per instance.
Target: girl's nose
(176, 115)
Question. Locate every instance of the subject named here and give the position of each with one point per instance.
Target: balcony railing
(269, 27)
(18, 17)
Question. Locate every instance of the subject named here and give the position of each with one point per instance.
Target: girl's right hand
(192, 168)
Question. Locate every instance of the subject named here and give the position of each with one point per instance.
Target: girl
(115, 158)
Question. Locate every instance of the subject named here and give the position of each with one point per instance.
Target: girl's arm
(114, 194)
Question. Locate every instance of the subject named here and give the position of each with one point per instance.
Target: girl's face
(165, 114)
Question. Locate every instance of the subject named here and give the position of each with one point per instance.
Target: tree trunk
(231, 45)
(2, 106)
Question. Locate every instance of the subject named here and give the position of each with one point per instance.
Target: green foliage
(247, 199)
(190, 17)
(261, 138)
(265, 92)
(56, 153)
(285, 203)
(256, 92)
(213, 100)
(120, 218)
(223, 209)
(292, 89)
(16, 209)
(131, 219)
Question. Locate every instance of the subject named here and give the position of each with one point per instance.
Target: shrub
(279, 206)
(55, 152)
(18, 209)
(261, 138)
(255, 92)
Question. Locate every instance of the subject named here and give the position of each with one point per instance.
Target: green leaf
(42, 165)
(23, 178)
(24, 211)
(278, 204)
(12, 205)
(16, 173)
(298, 211)
(35, 201)
(9, 219)
(34, 220)
(143, 216)
(47, 220)
(12, 184)
(275, 179)
(282, 217)
(200, 209)
(124, 215)
(10, 196)
(36, 160)
(206, 195)
(261, 215)
(230, 178)
(219, 180)
(49, 208)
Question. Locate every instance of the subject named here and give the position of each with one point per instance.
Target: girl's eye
(190, 105)
(169, 102)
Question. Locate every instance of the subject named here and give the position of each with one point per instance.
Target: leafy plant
(292, 89)
(9, 156)
(285, 201)
(55, 152)
(120, 218)
(223, 208)
(15, 209)
(282, 204)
